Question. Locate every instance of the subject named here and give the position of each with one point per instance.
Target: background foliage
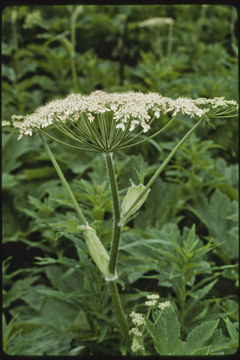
(183, 243)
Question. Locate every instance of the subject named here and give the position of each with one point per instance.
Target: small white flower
(145, 127)
(134, 123)
(120, 126)
(153, 296)
(135, 331)
(137, 318)
(151, 303)
(90, 118)
(164, 305)
(28, 132)
(136, 346)
(17, 117)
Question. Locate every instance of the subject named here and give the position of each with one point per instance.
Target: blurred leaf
(8, 181)
(215, 216)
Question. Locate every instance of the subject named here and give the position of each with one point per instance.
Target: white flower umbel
(164, 305)
(106, 122)
(152, 300)
(137, 318)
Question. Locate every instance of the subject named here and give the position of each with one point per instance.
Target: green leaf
(199, 336)
(58, 314)
(43, 172)
(8, 181)
(191, 241)
(9, 333)
(199, 294)
(215, 216)
(70, 226)
(13, 150)
(166, 334)
(234, 334)
(9, 73)
(163, 204)
(81, 322)
(76, 351)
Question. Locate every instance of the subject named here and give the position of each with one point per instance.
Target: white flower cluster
(137, 318)
(137, 340)
(136, 346)
(153, 297)
(164, 305)
(140, 322)
(135, 332)
(152, 300)
(216, 102)
(130, 109)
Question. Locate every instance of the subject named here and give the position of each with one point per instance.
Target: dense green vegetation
(183, 242)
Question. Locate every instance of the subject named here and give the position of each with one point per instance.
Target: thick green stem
(64, 181)
(116, 214)
(160, 169)
(114, 250)
(119, 311)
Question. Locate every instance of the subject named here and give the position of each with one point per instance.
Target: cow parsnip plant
(107, 123)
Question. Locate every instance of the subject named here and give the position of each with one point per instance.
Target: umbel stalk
(64, 181)
(160, 169)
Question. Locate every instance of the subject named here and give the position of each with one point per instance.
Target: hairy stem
(114, 249)
(120, 312)
(64, 181)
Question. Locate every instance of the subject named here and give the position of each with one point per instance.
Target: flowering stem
(119, 311)
(160, 169)
(116, 213)
(114, 249)
(63, 180)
